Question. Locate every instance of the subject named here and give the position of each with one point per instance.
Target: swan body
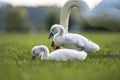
(105, 14)
(72, 41)
(58, 55)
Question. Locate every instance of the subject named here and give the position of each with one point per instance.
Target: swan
(58, 55)
(72, 41)
(105, 14)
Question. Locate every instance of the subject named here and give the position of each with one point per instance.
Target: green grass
(16, 64)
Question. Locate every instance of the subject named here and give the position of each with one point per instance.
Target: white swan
(72, 41)
(58, 55)
(105, 14)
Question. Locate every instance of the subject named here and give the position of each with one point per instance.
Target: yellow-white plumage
(58, 55)
(72, 41)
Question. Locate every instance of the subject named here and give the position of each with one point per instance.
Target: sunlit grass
(16, 64)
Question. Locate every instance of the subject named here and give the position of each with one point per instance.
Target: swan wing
(77, 39)
(67, 54)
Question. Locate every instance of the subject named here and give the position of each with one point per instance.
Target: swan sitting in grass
(72, 41)
(58, 55)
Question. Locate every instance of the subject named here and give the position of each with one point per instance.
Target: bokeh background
(37, 18)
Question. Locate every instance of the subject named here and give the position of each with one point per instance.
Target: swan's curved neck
(45, 53)
(61, 31)
(65, 12)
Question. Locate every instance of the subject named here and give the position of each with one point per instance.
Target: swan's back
(110, 4)
(67, 54)
(109, 8)
(76, 41)
(105, 14)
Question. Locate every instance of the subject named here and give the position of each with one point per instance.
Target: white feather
(58, 55)
(105, 14)
(72, 41)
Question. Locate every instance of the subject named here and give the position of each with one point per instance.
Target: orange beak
(54, 46)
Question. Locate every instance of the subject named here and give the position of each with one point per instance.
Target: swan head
(56, 28)
(37, 50)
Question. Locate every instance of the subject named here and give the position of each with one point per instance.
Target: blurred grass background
(16, 64)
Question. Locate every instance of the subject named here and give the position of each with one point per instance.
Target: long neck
(61, 31)
(65, 12)
(45, 53)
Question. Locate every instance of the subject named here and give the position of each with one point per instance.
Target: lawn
(16, 64)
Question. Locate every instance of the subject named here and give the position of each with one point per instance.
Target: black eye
(52, 30)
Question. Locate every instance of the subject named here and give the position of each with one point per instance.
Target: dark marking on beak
(51, 35)
(54, 46)
(57, 47)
